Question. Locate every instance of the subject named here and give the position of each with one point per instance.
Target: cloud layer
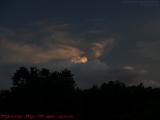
(58, 46)
(33, 54)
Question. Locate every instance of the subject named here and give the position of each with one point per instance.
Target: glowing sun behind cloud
(78, 60)
(94, 52)
(34, 54)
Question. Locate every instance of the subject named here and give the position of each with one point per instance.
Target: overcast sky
(98, 40)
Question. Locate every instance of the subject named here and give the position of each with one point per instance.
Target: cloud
(138, 70)
(149, 49)
(128, 68)
(27, 53)
(58, 47)
(150, 82)
(143, 71)
(34, 54)
(51, 42)
(99, 47)
(78, 59)
(148, 54)
(93, 72)
(96, 72)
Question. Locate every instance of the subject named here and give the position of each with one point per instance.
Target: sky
(97, 40)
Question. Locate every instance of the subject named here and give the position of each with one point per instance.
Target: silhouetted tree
(42, 91)
(21, 77)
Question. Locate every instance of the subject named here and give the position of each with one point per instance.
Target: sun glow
(78, 60)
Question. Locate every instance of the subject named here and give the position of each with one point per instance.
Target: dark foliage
(42, 91)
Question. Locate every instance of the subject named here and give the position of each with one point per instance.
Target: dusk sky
(97, 40)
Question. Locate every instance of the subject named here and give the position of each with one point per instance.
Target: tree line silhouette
(42, 91)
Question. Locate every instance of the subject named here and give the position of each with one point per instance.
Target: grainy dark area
(40, 91)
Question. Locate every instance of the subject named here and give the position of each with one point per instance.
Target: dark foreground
(42, 94)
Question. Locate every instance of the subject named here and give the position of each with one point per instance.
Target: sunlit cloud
(77, 60)
(56, 42)
(27, 53)
(128, 68)
(33, 54)
(99, 47)
(143, 71)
